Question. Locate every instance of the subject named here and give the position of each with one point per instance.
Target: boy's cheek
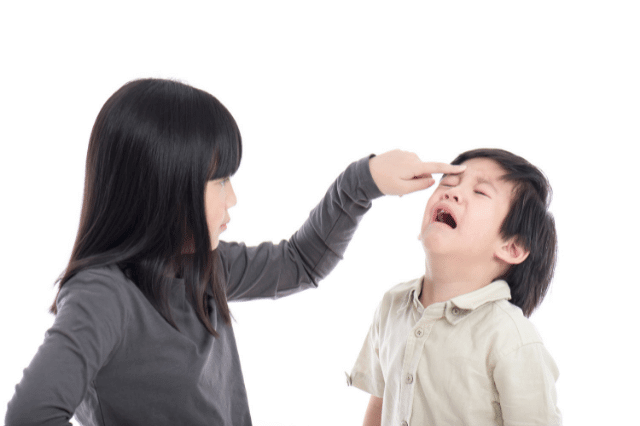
(426, 218)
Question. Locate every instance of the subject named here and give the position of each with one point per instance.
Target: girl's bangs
(227, 154)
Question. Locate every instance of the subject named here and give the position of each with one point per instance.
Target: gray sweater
(111, 359)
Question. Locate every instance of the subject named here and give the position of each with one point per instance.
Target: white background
(313, 87)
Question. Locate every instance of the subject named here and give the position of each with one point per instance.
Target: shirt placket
(415, 344)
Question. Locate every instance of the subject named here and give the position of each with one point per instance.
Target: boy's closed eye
(450, 181)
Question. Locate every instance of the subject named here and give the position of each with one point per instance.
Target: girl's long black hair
(153, 147)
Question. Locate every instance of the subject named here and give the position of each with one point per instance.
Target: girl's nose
(231, 196)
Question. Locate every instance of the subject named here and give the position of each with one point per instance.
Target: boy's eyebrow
(479, 179)
(444, 175)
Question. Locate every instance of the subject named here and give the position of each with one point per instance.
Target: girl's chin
(214, 242)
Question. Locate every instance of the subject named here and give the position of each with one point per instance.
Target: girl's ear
(512, 252)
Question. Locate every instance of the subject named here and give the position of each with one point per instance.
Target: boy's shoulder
(404, 288)
(510, 324)
(500, 318)
(397, 300)
(401, 293)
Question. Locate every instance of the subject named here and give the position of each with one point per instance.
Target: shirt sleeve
(525, 380)
(86, 330)
(367, 371)
(274, 270)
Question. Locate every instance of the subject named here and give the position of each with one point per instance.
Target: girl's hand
(400, 172)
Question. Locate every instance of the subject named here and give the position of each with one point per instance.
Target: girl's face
(218, 198)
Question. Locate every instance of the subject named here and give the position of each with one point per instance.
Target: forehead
(484, 168)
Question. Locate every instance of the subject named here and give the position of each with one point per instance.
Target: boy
(449, 348)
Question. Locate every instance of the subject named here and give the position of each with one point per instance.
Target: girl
(142, 333)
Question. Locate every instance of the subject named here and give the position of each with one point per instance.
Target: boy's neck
(447, 277)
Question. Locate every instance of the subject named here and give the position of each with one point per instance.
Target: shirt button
(409, 379)
(455, 310)
(419, 332)
(404, 423)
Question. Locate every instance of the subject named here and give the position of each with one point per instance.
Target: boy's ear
(512, 252)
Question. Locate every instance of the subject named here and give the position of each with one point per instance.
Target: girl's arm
(87, 329)
(272, 271)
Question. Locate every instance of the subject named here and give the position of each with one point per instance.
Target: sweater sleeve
(87, 329)
(274, 270)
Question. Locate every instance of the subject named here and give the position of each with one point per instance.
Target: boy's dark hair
(530, 222)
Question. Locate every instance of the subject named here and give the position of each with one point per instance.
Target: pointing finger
(416, 184)
(432, 167)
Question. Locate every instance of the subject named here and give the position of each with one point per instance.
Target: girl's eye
(481, 193)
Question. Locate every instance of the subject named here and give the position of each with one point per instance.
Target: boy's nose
(454, 197)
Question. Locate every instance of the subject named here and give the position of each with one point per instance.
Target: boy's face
(464, 215)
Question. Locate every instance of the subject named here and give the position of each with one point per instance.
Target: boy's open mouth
(443, 216)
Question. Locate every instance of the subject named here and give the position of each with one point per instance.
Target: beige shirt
(473, 360)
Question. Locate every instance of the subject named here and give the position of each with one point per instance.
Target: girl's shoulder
(104, 286)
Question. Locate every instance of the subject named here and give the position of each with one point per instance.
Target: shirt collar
(459, 307)
(412, 297)
(493, 292)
